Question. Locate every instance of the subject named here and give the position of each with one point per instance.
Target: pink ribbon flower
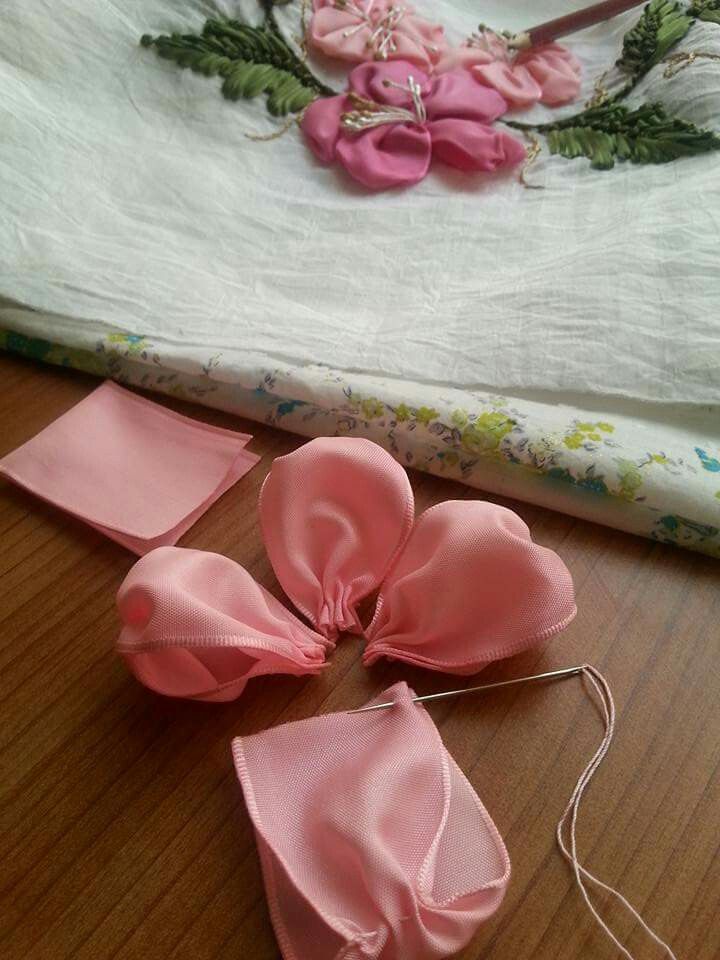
(548, 74)
(359, 30)
(393, 118)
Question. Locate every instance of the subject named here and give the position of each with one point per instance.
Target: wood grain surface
(124, 833)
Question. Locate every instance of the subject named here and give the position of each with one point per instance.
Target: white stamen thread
(604, 694)
(381, 39)
(370, 114)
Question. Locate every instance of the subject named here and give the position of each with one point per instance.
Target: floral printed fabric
(655, 480)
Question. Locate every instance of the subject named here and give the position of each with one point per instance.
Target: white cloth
(131, 196)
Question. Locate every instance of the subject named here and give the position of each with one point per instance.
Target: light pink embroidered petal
(472, 146)
(386, 156)
(556, 71)
(514, 83)
(464, 57)
(365, 30)
(458, 95)
(334, 513)
(321, 125)
(469, 587)
(136, 471)
(198, 625)
(373, 844)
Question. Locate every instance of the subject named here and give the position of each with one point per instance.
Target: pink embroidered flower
(358, 30)
(548, 74)
(393, 118)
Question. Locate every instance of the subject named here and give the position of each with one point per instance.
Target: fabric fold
(335, 514)
(469, 588)
(198, 625)
(372, 842)
(134, 470)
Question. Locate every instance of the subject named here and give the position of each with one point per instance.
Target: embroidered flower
(358, 30)
(548, 74)
(393, 118)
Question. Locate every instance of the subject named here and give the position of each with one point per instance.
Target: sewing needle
(553, 674)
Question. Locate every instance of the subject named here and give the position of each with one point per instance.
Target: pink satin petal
(555, 70)
(339, 34)
(458, 95)
(470, 587)
(334, 515)
(472, 146)
(393, 155)
(514, 83)
(321, 125)
(197, 625)
(369, 80)
(462, 58)
(373, 844)
(418, 42)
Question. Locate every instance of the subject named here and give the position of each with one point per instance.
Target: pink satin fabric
(198, 625)
(457, 129)
(470, 587)
(137, 472)
(548, 74)
(460, 586)
(335, 513)
(355, 31)
(373, 844)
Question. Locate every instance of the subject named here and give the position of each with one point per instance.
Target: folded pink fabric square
(137, 472)
(373, 844)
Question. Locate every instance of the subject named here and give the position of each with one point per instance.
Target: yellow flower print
(459, 418)
(486, 432)
(372, 408)
(426, 414)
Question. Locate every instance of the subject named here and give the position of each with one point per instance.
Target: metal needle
(553, 674)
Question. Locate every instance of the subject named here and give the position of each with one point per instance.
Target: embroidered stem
(679, 61)
(533, 152)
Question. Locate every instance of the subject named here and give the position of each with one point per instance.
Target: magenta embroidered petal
(388, 156)
(473, 146)
(457, 94)
(321, 126)
(370, 80)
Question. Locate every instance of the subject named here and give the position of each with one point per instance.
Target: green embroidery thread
(607, 131)
(663, 24)
(646, 135)
(708, 10)
(250, 59)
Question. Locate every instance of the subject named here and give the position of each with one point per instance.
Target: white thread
(602, 690)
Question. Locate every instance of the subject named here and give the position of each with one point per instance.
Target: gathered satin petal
(380, 82)
(354, 33)
(321, 125)
(335, 513)
(458, 95)
(469, 587)
(388, 156)
(373, 844)
(556, 71)
(463, 57)
(198, 625)
(472, 147)
(514, 83)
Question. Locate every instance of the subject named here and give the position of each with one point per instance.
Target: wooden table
(124, 833)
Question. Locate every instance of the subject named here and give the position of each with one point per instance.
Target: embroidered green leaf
(251, 60)
(646, 135)
(708, 10)
(662, 24)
